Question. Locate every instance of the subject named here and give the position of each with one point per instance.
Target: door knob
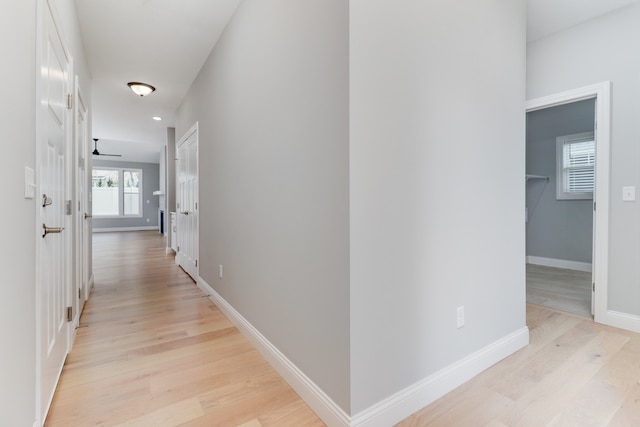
(51, 230)
(46, 201)
(86, 215)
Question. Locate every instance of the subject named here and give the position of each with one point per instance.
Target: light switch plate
(629, 194)
(29, 183)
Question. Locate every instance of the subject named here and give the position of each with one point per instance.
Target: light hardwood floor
(573, 373)
(566, 290)
(154, 351)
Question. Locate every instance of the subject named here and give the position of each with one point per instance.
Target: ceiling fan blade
(97, 153)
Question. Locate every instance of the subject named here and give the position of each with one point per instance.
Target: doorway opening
(561, 225)
(560, 153)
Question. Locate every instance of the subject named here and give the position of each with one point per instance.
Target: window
(117, 192)
(575, 158)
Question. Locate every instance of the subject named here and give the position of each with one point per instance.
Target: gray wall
(150, 183)
(171, 180)
(272, 106)
(559, 229)
(285, 188)
(437, 145)
(17, 290)
(599, 50)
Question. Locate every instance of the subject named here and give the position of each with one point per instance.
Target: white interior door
(187, 202)
(55, 87)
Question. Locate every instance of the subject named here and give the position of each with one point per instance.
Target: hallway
(152, 350)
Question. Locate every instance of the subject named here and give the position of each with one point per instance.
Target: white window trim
(561, 194)
(121, 192)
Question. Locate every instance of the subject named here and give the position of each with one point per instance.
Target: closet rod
(527, 177)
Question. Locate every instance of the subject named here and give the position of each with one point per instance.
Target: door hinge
(69, 314)
(79, 293)
(178, 248)
(196, 205)
(196, 263)
(68, 207)
(69, 101)
(594, 206)
(593, 287)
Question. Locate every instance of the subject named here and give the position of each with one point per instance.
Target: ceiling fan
(97, 153)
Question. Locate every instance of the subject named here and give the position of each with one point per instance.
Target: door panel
(187, 197)
(52, 324)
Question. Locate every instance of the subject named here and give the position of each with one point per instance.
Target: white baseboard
(168, 250)
(314, 396)
(399, 406)
(560, 263)
(629, 322)
(388, 411)
(108, 230)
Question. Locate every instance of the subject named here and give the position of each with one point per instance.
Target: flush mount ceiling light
(157, 118)
(141, 89)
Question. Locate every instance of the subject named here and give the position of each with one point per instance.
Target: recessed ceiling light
(157, 118)
(142, 89)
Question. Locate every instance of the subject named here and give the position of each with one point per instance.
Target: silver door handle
(185, 212)
(86, 215)
(46, 201)
(51, 230)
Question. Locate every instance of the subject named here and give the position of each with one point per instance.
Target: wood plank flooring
(566, 290)
(573, 373)
(154, 351)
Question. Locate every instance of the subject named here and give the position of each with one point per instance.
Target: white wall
(17, 252)
(437, 92)
(272, 107)
(599, 50)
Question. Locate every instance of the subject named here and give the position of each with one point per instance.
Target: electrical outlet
(220, 271)
(460, 316)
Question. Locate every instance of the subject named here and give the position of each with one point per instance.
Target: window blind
(579, 160)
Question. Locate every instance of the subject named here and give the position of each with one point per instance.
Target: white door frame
(602, 94)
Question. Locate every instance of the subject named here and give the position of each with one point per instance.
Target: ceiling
(160, 42)
(546, 17)
(165, 43)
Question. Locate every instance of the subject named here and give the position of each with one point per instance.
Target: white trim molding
(626, 321)
(314, 396)
(413, 398)
(560, 263)
(602, 94)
